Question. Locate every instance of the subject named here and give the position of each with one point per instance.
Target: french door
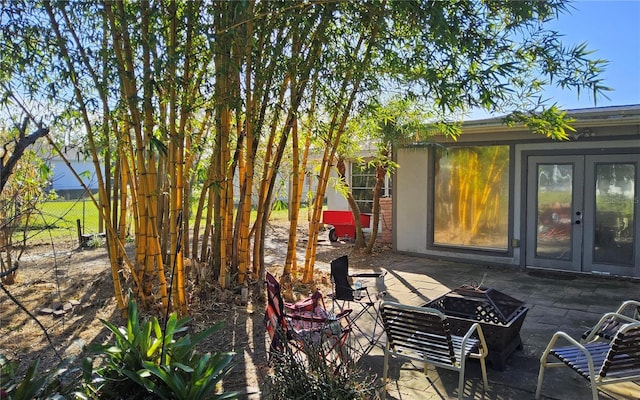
(582, 213)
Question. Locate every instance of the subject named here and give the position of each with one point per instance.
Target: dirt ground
(69, 290)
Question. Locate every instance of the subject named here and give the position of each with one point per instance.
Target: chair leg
(385, 372)
(540, 378)
(376, 321)
(461, 382)
(483, 367)
(594, 390)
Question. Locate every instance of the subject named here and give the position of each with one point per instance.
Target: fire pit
(499, 315)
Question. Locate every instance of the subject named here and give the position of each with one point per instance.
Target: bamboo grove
(192, 111)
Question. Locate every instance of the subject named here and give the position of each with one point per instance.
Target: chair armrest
(307, 318)
(606, 320)
(369, 275)
(630, 303)
(565, 336)
(483, 344)
(292, 309)
(379, 284)
(575, 344)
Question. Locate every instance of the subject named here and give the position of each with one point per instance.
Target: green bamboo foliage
(349, 88)
(198, 102)
(79, 97)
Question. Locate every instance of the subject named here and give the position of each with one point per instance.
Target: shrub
(55, 384)
(306, 374)
(145, 358)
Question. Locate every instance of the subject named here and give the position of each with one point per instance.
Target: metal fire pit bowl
(499, 315)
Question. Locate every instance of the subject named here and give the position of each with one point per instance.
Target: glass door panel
(611, 231)
(614, 213)
(554, 204)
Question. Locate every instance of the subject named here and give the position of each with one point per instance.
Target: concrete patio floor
(570, 303)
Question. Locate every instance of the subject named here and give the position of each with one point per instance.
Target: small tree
(19, 196)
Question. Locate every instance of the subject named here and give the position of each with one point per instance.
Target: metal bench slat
(576, 359)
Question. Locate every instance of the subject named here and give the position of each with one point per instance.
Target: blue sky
(612, 29)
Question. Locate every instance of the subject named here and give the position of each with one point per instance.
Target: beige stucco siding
(410, 200)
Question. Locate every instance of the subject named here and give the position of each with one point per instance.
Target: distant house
(361, 178)
(505, 196)
(64, 182)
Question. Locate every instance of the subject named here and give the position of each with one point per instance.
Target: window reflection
(471, 197)
(554, 197)
(614, 214)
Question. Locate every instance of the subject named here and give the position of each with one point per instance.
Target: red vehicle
(344, 226)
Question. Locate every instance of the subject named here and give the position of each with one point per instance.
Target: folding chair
(305, 325)
(274, 320)
(344, 294)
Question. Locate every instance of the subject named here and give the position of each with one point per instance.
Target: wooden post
(79, 233)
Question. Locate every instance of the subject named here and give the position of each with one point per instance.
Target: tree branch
(33, 317)
(6, 169)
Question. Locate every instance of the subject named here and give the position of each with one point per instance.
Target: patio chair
(422, 334)
(367, 296)
(305, 326)
(599, 362)
(630, 308)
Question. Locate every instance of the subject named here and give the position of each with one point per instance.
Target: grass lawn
(58, 220)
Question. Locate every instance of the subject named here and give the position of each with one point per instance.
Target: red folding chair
(306, 326)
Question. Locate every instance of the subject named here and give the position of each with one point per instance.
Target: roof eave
(587, 117)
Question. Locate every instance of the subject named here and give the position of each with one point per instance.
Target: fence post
(79, 232)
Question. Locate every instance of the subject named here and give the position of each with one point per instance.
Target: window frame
(387, 189)
(431, 198)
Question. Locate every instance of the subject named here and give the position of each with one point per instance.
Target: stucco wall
(336, 200)
(410, 200)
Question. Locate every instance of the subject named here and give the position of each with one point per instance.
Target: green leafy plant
(155, 359)
(55, 384)
(95, 242)
(279, 205)
(11, 385)
(197, 379)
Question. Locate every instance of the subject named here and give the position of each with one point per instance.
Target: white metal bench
(422, 334)
(599, 362)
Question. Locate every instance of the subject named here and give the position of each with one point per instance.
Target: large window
(363, 179)
(471, 197)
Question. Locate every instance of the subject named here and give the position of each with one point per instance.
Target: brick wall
(386, 222)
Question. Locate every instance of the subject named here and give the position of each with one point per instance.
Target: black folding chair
(364, 293)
